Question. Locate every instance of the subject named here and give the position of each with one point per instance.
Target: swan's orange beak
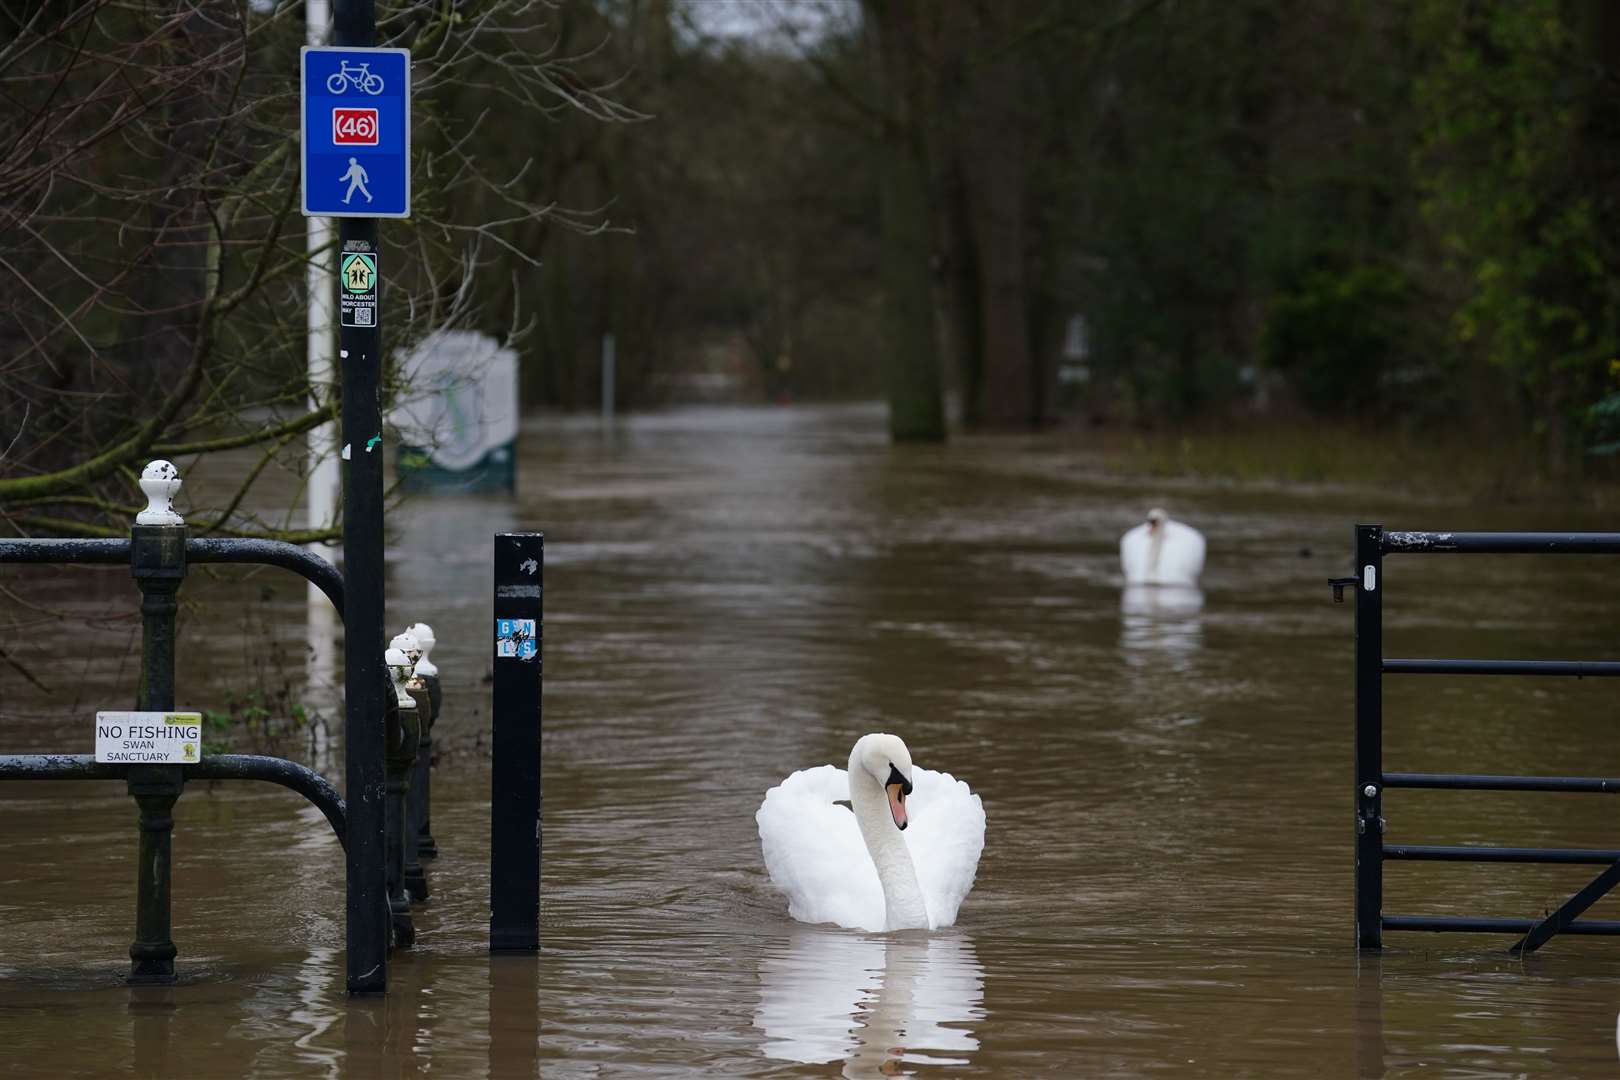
(897, 804)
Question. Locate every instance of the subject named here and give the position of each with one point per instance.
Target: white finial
(399, 670)
(160, 482)
(406, 642)
(425, 638)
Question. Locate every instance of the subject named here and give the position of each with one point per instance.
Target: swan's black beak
(898, 787)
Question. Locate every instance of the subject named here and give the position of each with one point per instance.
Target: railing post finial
(399, 670)
(160, 483)
(426, 639)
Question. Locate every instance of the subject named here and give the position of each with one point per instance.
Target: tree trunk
(911, 350)
(1009, 384)
(994, 164)
(1047, 325)
(965, 293)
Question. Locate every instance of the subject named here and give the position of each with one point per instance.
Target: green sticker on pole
(357, 292)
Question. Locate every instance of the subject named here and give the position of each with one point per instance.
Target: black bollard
(426, 848)
(416, 886)
(514, 856)
(158, 564)
(403, 729)
(425, 673)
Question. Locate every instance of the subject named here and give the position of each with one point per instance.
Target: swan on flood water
(901, 856)
(1162, 552)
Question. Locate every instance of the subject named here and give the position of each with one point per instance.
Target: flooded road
(736, 594)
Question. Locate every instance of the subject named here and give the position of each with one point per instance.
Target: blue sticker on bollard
(515, 639)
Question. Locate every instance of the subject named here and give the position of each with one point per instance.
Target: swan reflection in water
(1160, 621)
(874, 1003)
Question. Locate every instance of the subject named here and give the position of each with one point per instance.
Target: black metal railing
(158, 556)
(314, 569)
(289, 774)
(1372, 544)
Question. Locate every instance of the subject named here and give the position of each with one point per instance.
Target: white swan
(1162, 552)
(904, 858)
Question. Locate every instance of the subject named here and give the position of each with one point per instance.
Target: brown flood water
(736, 594)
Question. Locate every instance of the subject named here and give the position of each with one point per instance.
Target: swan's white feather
(1181, 555)
(945, 836)
(810, 845)
(814, 852)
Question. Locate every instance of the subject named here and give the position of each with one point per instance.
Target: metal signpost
(356, 168)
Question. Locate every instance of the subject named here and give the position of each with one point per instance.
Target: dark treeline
(1128, 212)
(1137, 213)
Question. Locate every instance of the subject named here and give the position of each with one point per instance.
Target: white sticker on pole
(1369, 578)
(149, 738)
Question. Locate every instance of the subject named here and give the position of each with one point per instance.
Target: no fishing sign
(149, 738)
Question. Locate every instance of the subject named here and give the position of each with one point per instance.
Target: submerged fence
(1371, 780)
(158, 553)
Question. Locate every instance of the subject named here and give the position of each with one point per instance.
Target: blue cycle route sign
(356, 131)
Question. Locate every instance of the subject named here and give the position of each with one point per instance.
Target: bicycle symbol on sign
(359, 76)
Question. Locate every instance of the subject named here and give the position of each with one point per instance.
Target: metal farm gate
(1372, 544)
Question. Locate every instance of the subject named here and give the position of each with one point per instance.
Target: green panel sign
(357, 288)
(359, 273)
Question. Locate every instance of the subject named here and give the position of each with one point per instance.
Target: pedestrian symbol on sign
(359, 273)
(356, 176)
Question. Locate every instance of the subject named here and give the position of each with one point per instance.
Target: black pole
(1369, 737)
(402, 730)
(514, 858)
(365, 679)
(426, 847)
(158, 564)
(415, 879)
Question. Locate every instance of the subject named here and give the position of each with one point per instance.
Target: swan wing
(1182, 559)
(945, 837)
(814, 852)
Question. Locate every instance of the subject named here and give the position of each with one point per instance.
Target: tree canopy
(1136, 213)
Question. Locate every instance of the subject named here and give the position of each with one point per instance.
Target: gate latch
(1340, 584)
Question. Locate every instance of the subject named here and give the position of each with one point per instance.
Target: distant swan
(1162, 552)
(904, 858)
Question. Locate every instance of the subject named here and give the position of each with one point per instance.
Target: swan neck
(903, 904)
(1156, 549)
